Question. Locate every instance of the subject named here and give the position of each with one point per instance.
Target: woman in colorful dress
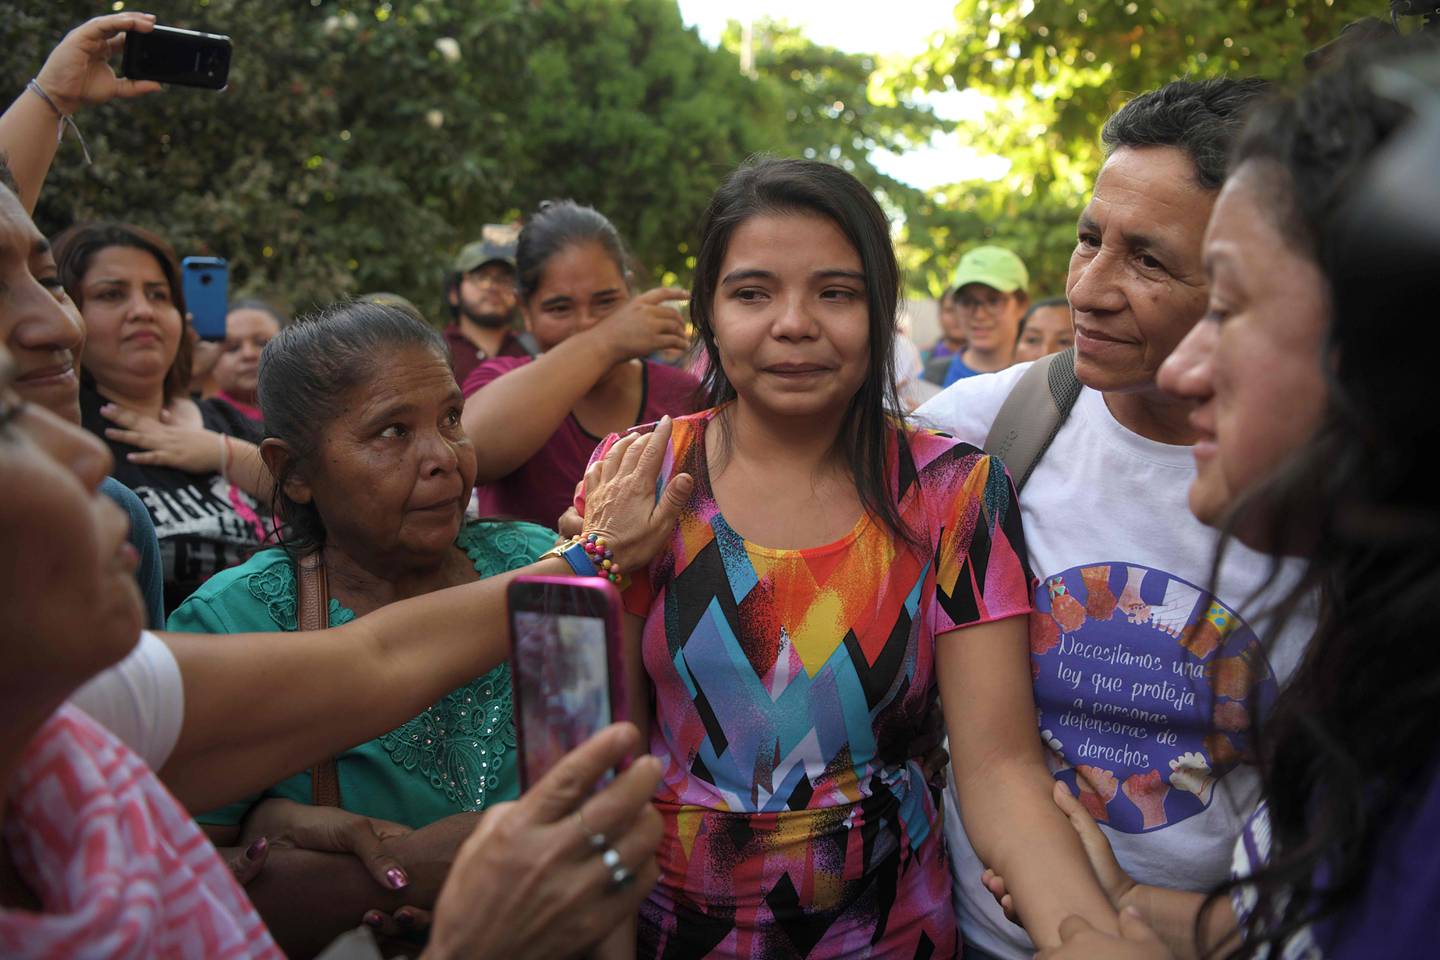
(374, 472)
(832, 573)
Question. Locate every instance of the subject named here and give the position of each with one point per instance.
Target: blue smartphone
(206, 284)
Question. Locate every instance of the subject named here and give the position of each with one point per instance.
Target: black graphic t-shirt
(204, 523)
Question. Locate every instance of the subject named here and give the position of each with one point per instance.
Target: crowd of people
(1153, 559)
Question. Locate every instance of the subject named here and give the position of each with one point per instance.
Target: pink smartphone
(566, 676)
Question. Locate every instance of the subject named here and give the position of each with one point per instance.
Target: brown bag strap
(312, 612)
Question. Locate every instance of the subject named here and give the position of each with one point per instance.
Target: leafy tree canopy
(359, 145)
(1051, 71)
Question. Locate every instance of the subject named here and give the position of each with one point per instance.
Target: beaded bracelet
(589, 556)
(603, 557)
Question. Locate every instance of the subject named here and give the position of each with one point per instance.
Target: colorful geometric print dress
(788, 684)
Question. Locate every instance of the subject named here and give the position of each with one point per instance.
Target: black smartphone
(183, 57)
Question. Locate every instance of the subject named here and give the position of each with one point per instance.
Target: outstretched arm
(1002, 783)
(77, 73)
(259, 707)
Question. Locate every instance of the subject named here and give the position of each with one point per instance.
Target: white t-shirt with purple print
(1145, 682)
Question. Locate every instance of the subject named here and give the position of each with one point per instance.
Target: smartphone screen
(564, 667)
(172, 55)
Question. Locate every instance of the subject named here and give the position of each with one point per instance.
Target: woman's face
(133, 324)
(1255, 362)
(1048, 331)
(392, 474)
(791, 318)
(246, 333)
(38, 321)
(579, 286)
(69, 600)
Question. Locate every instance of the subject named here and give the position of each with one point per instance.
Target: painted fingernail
(397, 878)
(255, 849)
(406, 920)
(374, 918)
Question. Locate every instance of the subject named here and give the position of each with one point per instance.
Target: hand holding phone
(78, 73)
(565, 668)
(186, 58)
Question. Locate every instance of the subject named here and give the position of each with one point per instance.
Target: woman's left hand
(276, 822)
(78, 73)
(163, 444)
(620, 503)
(1079, 941)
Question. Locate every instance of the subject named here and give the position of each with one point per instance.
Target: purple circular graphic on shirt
(1145, 686)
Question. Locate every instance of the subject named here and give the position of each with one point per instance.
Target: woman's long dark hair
(1350, 743)
(77, 246)
(305, 372)
(769, 186)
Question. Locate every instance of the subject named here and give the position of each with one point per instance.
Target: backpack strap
(936, 368)
(312, 612)
(1033, 414)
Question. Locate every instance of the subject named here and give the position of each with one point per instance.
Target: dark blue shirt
(958, 370)
(142, 538)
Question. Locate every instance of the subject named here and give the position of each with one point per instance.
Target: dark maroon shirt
(542, 488)
(465, 356)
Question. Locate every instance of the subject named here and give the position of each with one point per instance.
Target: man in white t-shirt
(1145, 681)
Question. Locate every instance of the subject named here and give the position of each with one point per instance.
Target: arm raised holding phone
(76, 74)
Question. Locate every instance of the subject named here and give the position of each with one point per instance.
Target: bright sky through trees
(902, 33)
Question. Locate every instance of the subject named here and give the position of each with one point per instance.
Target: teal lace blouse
(456, 756)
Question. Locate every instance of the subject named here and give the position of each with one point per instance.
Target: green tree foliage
(1053, 70)
(358, 146)
(836, 109)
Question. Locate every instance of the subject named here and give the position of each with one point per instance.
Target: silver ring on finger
(620, 877)
(597, 841)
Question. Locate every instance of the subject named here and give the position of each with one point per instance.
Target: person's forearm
(510, 419)
(1172, 913)
(245, 469)
(28, 139)
(307, 899)
(1016, 830)
(260, 707)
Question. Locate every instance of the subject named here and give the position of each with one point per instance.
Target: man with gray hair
(1146, 673)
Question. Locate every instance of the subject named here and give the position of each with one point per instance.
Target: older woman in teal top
(373, 471)
(457, 756)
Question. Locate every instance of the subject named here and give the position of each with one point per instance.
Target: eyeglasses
(990, 303)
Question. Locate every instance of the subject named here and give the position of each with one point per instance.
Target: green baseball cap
(497, 242)
(993, 266)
